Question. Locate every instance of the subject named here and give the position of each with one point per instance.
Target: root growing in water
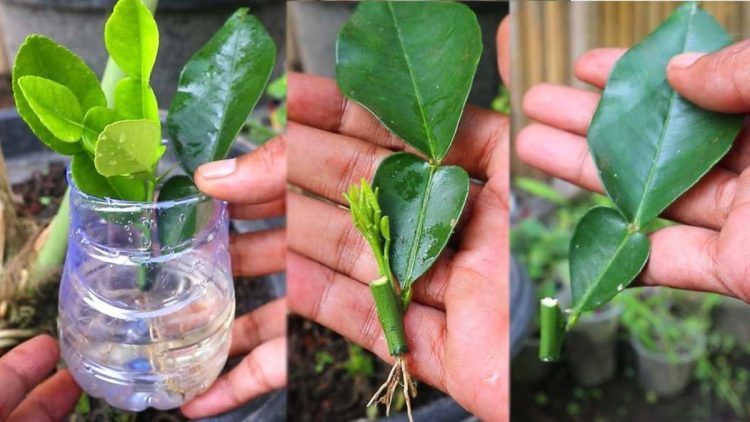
(399, 375)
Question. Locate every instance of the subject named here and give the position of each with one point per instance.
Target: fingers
(254, 178)
(258, 326)
(561, 107)
(718, 81)
(51, 401)
(733, 242)
(565, 155)
(594, 66)
(345, 306)
(258, 253)
(257, 211)
(316, 102)
(260, 372)
(503, 50)
(339, 246)
(23, 368)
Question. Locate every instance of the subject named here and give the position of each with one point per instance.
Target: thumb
(717, 81)
(503, 50)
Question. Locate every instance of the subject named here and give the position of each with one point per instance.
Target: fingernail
(685, 60)
(218, 169)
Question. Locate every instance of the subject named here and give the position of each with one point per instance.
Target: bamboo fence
(548, 36)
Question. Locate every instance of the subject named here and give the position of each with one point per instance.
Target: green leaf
(412, 64)
(128, 147)
(132, 38)
(177, 224)
(649, 144)
(135, 101)
(423, 203)
(605, 256)
(218, 89)
(55, 105)
(40, 56)
(96, 119)
(87, 179)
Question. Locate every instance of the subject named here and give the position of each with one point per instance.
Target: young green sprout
(374, 226)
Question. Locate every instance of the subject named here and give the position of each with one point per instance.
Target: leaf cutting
(412, 65)
(650, 146)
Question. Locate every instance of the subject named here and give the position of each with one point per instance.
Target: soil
(39, 198)
(559, 398)
(330, 392)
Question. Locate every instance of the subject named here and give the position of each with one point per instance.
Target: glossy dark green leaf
(218, 89)
(177, 224)
(423, 203)
(40, 56)
(605, 256)
(412, 64)
(649, 144)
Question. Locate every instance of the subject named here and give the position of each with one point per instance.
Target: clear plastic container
(146, 299)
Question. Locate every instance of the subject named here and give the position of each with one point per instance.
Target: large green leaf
(411, 64)
(423, 203)
(605, 256)
(40, 56)
(218, 89)
(132, 38)
(128, 147)
(649, 144)
(55, 105)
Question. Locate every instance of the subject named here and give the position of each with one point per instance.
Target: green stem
(51, 255)
(552, 327)
(388, 307)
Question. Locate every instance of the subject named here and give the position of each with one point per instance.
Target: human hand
(254, 185)
(457, 321)
(707, 251)
(23, 371)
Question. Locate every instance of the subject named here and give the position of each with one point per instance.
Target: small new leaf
(128, 147)
(96, 119)
(55, 106)
(132, 38)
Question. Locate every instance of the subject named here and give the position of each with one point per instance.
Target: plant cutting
(146, 299)
(649, 146)
(412, 65)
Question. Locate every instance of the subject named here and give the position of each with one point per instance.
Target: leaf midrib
(413, 79)
(419, 228)
(673, 97)
(228, 94)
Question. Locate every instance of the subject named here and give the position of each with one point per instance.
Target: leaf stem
(552, 327)
(390, 316)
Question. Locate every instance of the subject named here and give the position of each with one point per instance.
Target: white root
(399, 375)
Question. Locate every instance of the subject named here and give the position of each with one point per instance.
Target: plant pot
(184, 27)
(526, 368)
(663, 374)
(591, 346)
(731, 316)
(25, 154)
(144, 323)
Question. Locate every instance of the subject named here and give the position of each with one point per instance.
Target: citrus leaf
(128, 147)
(218, 89)
(605, 256)
(649, 144)
(55, 105)
(412, 64)
(87, 179)
(95, 120)
(135, 101)
(423, 203)
(40, 56)
(132, 38)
